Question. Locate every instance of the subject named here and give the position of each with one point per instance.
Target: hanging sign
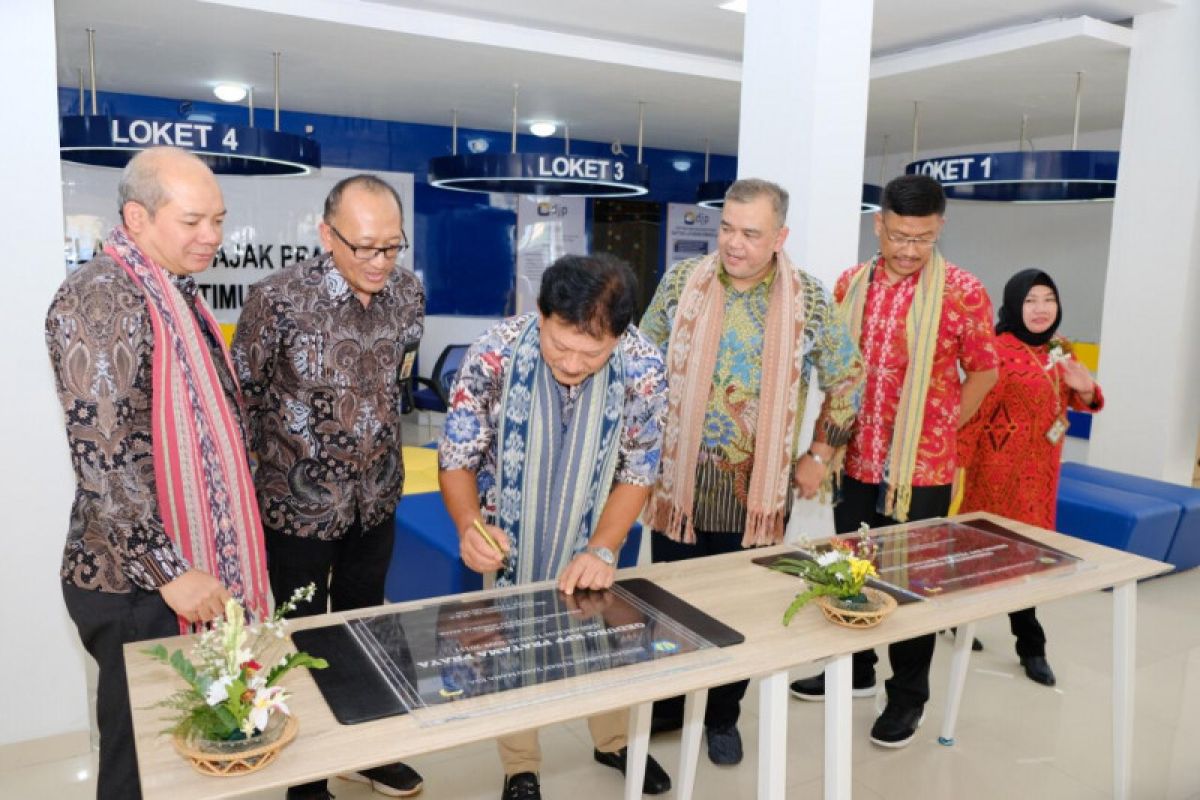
(1048, 176)
(541, 174)
(107, 141)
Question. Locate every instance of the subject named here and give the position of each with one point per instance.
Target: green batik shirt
(727, 447)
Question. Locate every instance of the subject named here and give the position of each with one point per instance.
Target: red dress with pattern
(965, 337)
(1012, 468)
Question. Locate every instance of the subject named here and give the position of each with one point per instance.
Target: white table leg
(1124, 642)
(772, 736)
(964, 637)
(838, 724)
(638, 748)
(689, 742)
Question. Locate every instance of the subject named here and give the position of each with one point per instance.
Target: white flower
(218, 691)
(830, 557)
(266, 702)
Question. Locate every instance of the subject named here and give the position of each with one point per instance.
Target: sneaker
(724, 745)
(813, 689)
(393, 780)
(522, 786)
(656, 781)
(897, 725)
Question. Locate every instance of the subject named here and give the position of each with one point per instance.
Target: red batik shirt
(1012, 468)
(965, 339)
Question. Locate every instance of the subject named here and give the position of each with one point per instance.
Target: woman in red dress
(1011, 449)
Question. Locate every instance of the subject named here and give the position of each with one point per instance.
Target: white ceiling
(588, 63)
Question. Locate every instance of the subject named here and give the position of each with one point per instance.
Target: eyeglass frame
(903, 241)
(356, 249)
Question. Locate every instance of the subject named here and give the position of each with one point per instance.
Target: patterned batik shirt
(321, 375)
(965, 338)
(469, 438)
(726, 457)
(100, 340)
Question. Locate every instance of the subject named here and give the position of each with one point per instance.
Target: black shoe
(813, 689)
(317, 790)
(897, 725)
(393, 780)
(1038, 670)
(724, 745)
(664, 724)
(522, 786)
(656, 781)
(976, 645)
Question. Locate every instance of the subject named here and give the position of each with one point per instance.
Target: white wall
(42, 668)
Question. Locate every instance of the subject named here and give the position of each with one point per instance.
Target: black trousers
(909, 684)
(349, 572)
(107, 621)
(724, 702)
(1031, 639)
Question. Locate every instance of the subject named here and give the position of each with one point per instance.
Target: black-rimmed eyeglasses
(365, 253)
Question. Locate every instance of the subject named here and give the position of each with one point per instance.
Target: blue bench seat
(1184, 549)
(1135, 523)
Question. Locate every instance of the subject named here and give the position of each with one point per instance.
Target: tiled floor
(1015, 739)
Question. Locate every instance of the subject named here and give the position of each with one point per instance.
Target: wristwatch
(604, 554)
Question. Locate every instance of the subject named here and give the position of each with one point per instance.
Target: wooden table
(325, 747)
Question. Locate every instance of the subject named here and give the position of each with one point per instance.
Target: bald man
(147, 388)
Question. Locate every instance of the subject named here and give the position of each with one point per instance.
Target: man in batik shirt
(743, 329)
(900, 463)
(551, 445)
(164, 526)
(319, 349)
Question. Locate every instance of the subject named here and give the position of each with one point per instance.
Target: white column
(1150, 334)
(805, 77)
(35, 473)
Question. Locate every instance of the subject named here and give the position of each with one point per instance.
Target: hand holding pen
(483, 548)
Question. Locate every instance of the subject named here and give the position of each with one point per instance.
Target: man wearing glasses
(917, 319)
(319, 349)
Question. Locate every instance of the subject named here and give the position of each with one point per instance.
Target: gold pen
(487, 537)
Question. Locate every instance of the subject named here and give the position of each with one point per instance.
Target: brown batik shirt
(321, 376)
(101, 343)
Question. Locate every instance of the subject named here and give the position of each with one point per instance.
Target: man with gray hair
(742, 330)
(149, 395)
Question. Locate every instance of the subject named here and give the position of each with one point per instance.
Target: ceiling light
(735, 5)
(230, 92)
(542, 128)
(682, 164)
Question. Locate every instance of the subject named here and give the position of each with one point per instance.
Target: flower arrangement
(230, 695)
(1059, 352)
(840, 572)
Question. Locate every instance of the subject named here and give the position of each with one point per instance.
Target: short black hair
(367, 181)
(597, 293)
(914, 196)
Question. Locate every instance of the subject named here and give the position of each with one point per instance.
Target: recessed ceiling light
(735, 5)
(542, 128)
(230, 92)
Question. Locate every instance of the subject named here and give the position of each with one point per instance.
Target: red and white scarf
(201, 473)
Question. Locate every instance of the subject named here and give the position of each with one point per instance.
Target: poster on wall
(691, 231)
(549, 228)
(271, 222)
